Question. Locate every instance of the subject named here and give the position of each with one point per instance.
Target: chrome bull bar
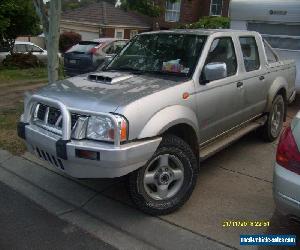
(31, 101)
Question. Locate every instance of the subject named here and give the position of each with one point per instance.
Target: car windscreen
(83, 47)
(161, 53)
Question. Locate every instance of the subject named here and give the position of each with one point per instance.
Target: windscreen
(164, 53)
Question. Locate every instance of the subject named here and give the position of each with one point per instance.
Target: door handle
(261, 78)
(239, 84)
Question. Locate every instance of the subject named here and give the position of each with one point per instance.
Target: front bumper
(286, 191)
(113, 161)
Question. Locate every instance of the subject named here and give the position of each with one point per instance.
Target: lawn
(13, 84)
(22, 75)
(9, 139)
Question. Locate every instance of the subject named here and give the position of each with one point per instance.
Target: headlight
(102, 128)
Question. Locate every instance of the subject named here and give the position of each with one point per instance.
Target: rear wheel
(167, 180)
(271, 130)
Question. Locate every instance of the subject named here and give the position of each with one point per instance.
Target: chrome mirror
(214, 71)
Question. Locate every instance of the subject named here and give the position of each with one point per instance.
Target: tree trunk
(53, 40)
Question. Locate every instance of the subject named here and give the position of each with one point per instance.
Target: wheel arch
(177, 120)
(279, 86)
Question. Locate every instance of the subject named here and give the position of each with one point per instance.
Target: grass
(9, 139)
(8, 75)
(13, 82)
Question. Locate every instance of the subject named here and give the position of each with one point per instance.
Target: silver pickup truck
(167, 101)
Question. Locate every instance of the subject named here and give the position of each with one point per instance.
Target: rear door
(255, 76)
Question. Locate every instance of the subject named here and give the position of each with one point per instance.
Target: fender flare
(278, 84)
(167, 118)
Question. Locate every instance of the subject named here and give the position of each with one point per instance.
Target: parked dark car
(87, 56)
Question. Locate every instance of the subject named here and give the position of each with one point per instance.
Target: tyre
(272, 128)
(167, 180)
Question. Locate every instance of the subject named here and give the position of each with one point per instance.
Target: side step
(230, 137)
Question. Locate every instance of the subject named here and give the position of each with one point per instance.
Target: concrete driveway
(235, 184)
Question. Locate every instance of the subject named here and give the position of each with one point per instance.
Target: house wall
(110, 32)
(191, 11)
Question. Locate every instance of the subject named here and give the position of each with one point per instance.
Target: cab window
(222, 51)
(250, 53)
(271, 56)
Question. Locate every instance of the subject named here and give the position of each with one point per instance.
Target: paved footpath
(84, 205)
(25, 225)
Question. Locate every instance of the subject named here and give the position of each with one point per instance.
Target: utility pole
(50, 18)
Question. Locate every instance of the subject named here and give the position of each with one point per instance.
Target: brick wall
(191, 11)
(109, 32)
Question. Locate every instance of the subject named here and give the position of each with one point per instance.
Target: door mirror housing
(213, 71)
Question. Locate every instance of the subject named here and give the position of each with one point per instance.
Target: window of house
(250, 53)
(172, 11)
(216, 7)
(119, 33)
(133, 33)
(222, 51)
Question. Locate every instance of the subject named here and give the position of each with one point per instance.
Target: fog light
(87, 154)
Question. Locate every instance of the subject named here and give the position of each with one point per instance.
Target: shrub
(67, 40)
(209, 22)
(22, 61)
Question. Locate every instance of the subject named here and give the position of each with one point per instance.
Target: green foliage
(17, 17)
(209, 22)
(74, 4)
(146, 7)
(67, 40)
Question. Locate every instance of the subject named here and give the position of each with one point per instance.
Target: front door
(220, 102)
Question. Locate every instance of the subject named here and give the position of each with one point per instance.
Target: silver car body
(152, 104)
(286, 184)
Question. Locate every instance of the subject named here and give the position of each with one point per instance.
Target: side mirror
(213, 71)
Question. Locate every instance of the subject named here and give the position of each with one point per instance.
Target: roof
(107, 40)
(23, 42)
(203, 32)
(106, 14)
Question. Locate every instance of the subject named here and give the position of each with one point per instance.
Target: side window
(20, 48)
(250, 53)
(222, 51)
(110, 49)
(271, 57)
(32, 48)
(119, 46)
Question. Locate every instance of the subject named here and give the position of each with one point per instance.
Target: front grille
(49, 158)
(51, 118)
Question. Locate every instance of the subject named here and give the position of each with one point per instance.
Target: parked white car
(26, 47)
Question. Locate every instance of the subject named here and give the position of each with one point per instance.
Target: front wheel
(271, 130)
(167, 180)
